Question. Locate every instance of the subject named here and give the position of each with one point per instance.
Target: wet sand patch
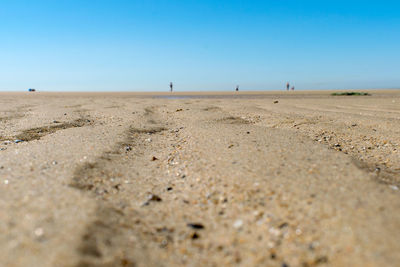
(233, 120)
(212, 108)
(38, 132)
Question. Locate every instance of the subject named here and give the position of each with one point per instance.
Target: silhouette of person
(237, 88)
(171, 86)
(287, 86)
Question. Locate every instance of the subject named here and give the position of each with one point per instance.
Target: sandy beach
(200, 179)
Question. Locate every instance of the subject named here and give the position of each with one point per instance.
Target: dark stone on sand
(322, 259)
(155, 198)
(196, 225)
(152, 198)
(283, 225)
(195, 236)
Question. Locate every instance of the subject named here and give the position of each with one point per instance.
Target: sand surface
(222, 179)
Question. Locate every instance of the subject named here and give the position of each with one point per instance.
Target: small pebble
(39, 232)
(5, 181)
(283, 225)
(195, 236)
(153, 197)
(128, 148)
(154, 158)
(276, 102)
(196, 225)
(18, 141)
(394, 187)
(274, 231)
(237, 224)
(322, 259)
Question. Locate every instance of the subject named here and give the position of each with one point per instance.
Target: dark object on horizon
(292, 88)
(237, 88)
(171, 86)
(31, 90)
(349, 93)
(287, 86)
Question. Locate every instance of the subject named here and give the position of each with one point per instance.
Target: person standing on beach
(237, 88)
(171, 86)
(287, 86)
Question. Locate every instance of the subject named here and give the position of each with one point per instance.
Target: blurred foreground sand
(222, 179)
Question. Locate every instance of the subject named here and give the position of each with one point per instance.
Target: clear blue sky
(119, 45)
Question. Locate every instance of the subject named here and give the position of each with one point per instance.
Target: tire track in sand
(106, 240)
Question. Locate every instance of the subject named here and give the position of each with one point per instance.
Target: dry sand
(221, 179)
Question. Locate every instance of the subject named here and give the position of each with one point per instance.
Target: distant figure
(171, 86)
(237, 88)
(32, 90)
(292, 88)
(287, 86)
